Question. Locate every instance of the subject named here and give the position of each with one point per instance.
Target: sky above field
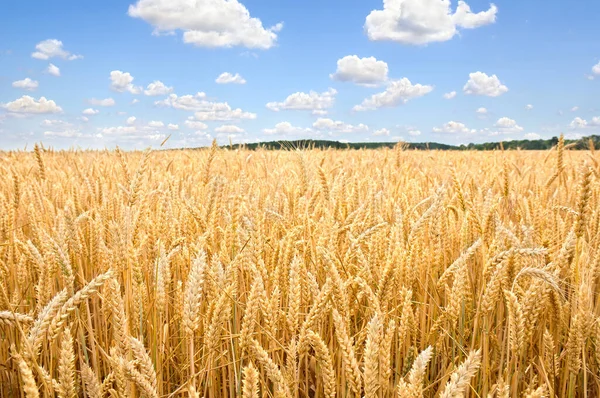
(95, 74)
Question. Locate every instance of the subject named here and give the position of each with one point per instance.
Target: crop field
(227, 272)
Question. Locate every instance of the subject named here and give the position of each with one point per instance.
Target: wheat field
(227, 272)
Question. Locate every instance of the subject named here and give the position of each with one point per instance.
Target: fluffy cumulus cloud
(424, 21)
(29, 105)
(579, 123)
(156, 124)
(55, 123)
(26, 84)
(90, 111)
(414, 133)
(205, 109)
(228, 78)
(450, 95)
(157, 88)
(532, 136)
(67, 133)
(453, 127)
(60, 129)
(123, 81)
(286, 128)
(596, 69)
(131, 133)
(332, 126)
(480, 83)
(363, 71)
(229, 129)
(506, 125)
(173, 127)
(207, 23)
(311, 101)
(481, 111)
(195, 125)
(102, 102)
(397, 92)
(528, 107)
(381, 132)
(53, 48)
(131, 120)
(53, 70)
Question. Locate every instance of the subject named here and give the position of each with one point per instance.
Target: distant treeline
(583, 143)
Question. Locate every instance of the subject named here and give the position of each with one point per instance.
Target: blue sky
(131, 73)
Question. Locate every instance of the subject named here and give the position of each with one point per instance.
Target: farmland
(298, 273)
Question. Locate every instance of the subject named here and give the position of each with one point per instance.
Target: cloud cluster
(362, 71)
(480, 83)
(311, 101)
(26, 84)
(123, 81)
(29, 105)
(397, 92)
(205, 109)
(228, 78)
(157, 88)
(417, 22)
(207, 23)
(53, 48)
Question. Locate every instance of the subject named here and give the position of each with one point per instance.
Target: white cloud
(90, 111)
(286, 128)
(482, 111)
(324, 124)
(397, 92)
(481, 84)
(26, 84)
(381, 132)
(505, 125)
(191, 124)
(453, 127)
(423, 21)
(450, 95)
(132, 132)
(55, 123)
(228, 78)
(229, 129)
(528, 107)
(207, 23)
(52, 48)
(157, 88)
(102, 102)
(579, 123)
(53, 70)
(414, 133)
(29, 105)
(70, 133)
(84, 119)
(156, 124)
(574, 109)
(185, 102)
(596, 69)
(205, 110)
(123, 81)
(532, 136)
(311, 101)
(363, 71)
(131, 120)
(135, 101)
(320, 112)
(173, 127)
